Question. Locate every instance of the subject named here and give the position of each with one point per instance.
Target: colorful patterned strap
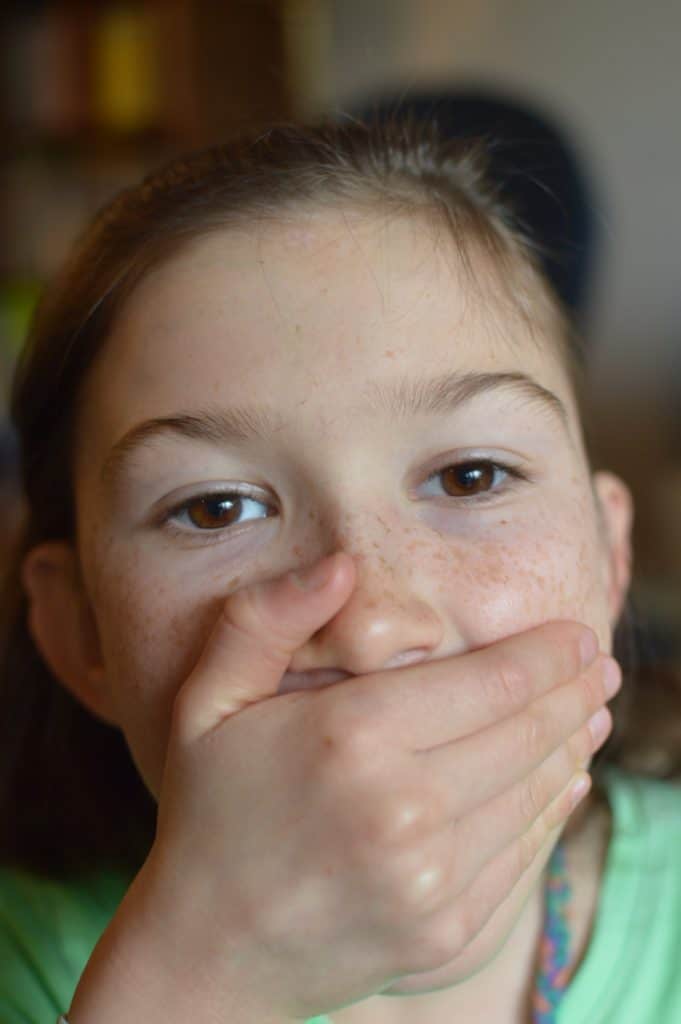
(554, 951)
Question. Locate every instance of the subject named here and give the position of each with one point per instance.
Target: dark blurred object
(11, 501)
(9, 454)
(176, 73)
(540, 173)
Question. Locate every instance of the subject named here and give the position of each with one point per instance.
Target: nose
(385, 623)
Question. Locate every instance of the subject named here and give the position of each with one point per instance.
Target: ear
(615, 509)
(62, 624)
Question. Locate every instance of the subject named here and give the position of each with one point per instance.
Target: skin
(301, 314)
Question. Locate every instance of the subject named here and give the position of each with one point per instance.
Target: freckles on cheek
(493, 588)
(151, 636)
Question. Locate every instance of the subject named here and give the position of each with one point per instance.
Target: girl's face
(333, 372)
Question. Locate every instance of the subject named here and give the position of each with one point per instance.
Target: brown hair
(69, 793)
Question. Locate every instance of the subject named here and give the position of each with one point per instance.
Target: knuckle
(348, 732)
(556, 812)
(570, 646)
(532, 797)
(580, 747)
(528, 845)
(533, 732)
(509, 685)
(245, 616)
(243, 611)
(433, 943)
(347, 772)
(592, 690)
(416, 884)
(418, 810)
(565, 762)
(395, 822)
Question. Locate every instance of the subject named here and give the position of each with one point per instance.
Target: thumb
(252, 643)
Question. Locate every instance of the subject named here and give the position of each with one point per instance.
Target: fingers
(498, 893)
(521, 818)
(426, 877)
(253, 641)
(476, 768)
(458, 849)
(425, 705)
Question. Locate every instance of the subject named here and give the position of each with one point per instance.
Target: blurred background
(96, 92)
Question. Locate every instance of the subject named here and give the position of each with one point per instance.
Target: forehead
(306, 311)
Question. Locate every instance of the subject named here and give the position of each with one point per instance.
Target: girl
(315, 563)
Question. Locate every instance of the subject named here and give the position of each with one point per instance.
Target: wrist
(141, 970)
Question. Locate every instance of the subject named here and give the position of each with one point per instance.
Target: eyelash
(513, 474)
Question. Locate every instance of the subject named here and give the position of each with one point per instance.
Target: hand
(305, 849)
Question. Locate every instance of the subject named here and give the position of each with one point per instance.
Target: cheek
(495, 587)
(151, 636)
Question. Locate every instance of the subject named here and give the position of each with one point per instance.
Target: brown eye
(219, 511)
(467, 478)
(212, 513)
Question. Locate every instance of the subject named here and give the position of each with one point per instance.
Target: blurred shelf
(96, 93)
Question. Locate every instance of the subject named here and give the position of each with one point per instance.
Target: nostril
(406, 657)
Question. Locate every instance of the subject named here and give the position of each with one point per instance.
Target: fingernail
(579, 790)
(612, 677)
(599, 725)
(315, 577)
(588, 645)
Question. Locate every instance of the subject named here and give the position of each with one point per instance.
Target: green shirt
(631, 973)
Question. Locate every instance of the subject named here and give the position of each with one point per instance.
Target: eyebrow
(399, 398)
